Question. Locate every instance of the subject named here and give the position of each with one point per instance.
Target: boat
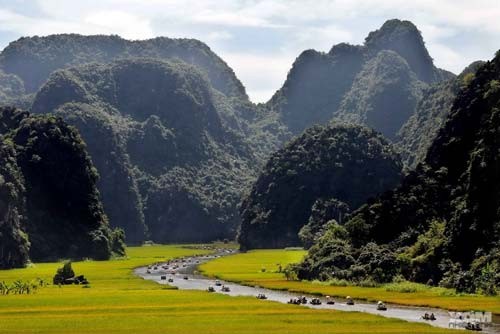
(261, 296)
(473, 326)
(381, 306)
(349, 300)
(211, 289)
(329, 300)
(315, 301)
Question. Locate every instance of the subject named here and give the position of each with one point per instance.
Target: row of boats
(329, 301)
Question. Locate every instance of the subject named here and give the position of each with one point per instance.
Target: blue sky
(261, 39)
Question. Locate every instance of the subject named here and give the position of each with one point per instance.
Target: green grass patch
(119, 302)
(245, 268)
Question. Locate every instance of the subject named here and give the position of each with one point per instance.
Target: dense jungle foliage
(441, 226)
(174, 154)
(347, 163)
(378, 84)
(49, 205)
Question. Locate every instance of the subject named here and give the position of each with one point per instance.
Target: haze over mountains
(183, 155)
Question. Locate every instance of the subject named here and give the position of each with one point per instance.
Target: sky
(261, 39)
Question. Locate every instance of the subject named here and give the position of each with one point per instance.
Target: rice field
(261, 267)
(119, 302)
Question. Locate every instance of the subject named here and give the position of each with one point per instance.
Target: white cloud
(261, 74)
(318, 38)
(275, 31)
(219, 36)
(126, 24)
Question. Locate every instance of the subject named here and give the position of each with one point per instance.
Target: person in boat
(315, 301)
(432, 317)
(329, 300)
(381, 306)
(349, 300)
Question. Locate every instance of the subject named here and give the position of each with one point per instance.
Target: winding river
(180, 269)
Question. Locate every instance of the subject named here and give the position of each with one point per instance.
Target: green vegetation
(245, 268)
(169, 148)
(21, 287)
(441, 226)
(50, 207)
(345, 163)
(33, 59)
(431, 112)
(119, 302)
(383, 95)
(378, 84)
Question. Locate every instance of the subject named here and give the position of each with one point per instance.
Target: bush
(63, 274)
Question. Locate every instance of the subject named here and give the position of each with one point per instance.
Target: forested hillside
(441, 226)
(174, 154)
(49, 204)
(378, 84)
(33, 59)
(342, 165)
(418, 133)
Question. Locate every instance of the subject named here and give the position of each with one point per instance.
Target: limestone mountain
(432, 109)
(31, 60)
(174, 153)
(347, 163)
(441, 225)
(49, 204)
(377, 84)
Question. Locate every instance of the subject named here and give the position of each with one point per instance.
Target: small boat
(261, 296)
(349, 300)
(294, 301)
(473, 326)
(225, 289)
(315, 301)
(218, 283)
(163, 278)
(211, 289)
(381, 306)
(303, 300)
(329, 300)
(170, 280)
(430, 317)
(185, 277)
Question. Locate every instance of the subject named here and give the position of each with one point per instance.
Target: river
(180, 269)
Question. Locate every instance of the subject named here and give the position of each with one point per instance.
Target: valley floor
(261, 268)
(119, 302)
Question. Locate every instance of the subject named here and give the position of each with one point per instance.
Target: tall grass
(120, 302)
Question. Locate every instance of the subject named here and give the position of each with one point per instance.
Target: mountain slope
(377, 84)
(33, 59)
(417, 134)
(50, 204)
(345, 162)
(383, 95)
(183, 164)
(442, 224)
